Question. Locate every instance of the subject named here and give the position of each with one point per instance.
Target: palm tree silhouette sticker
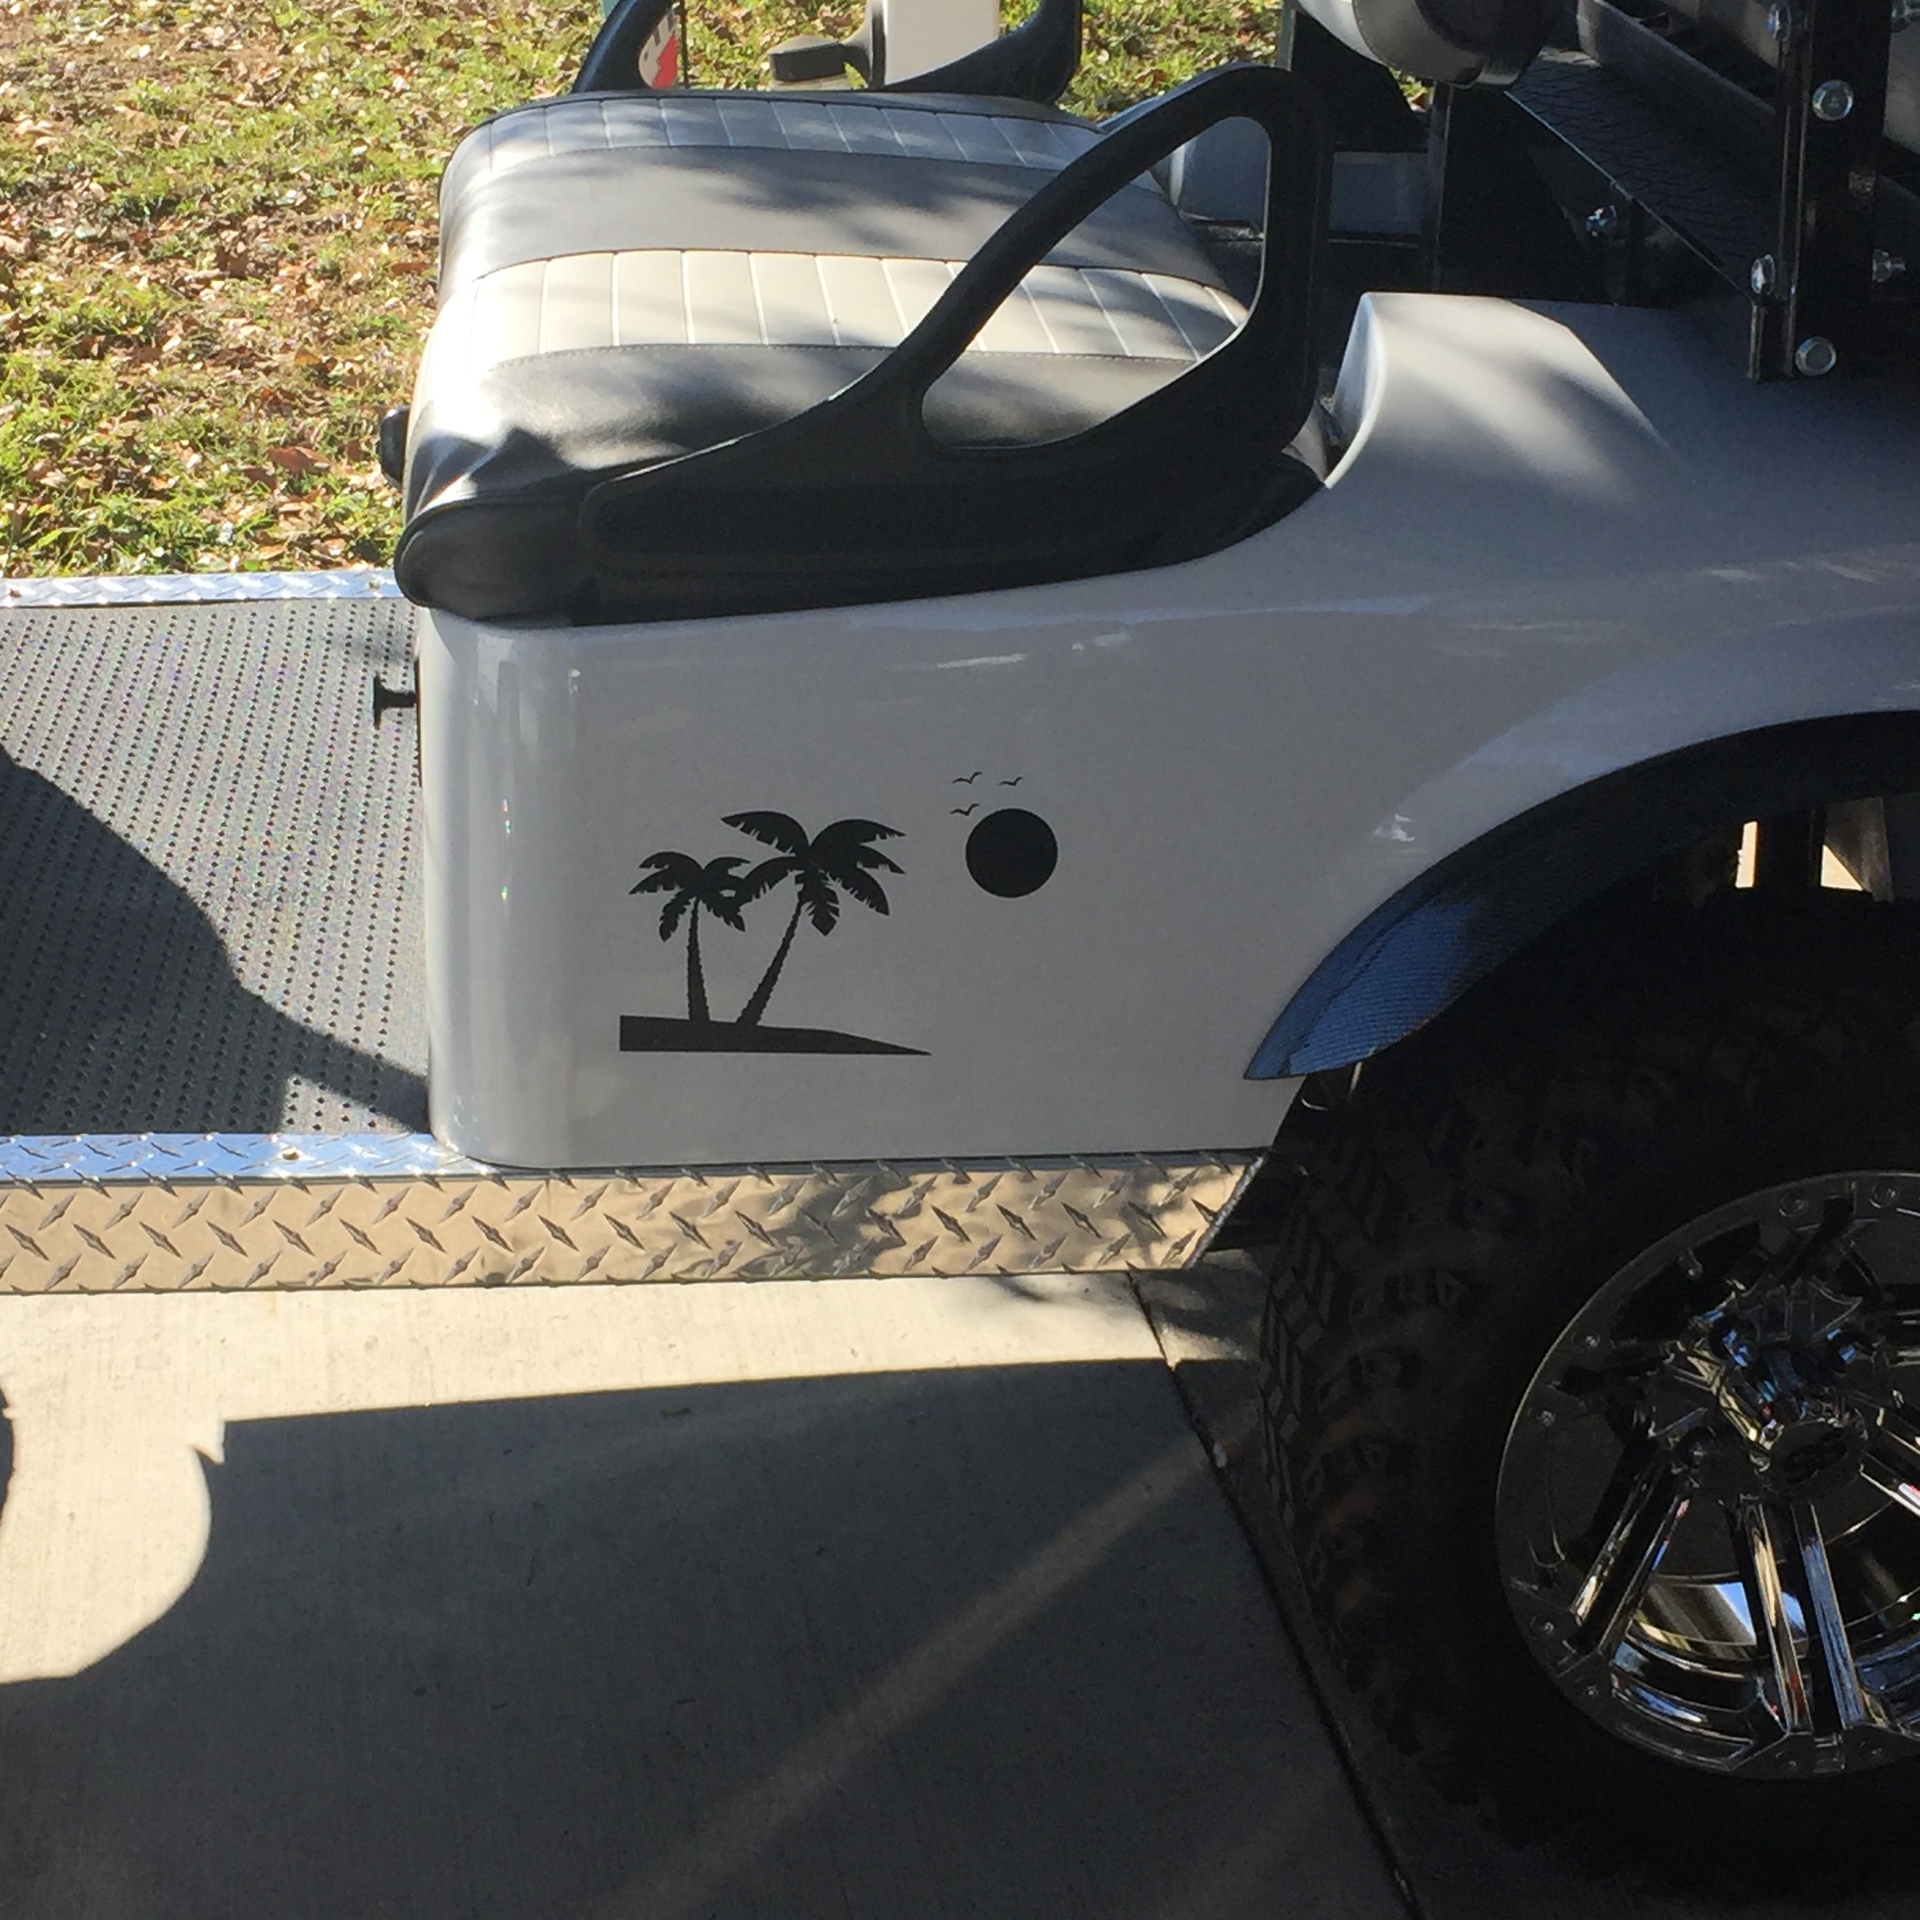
(693, 889)
(841, 859)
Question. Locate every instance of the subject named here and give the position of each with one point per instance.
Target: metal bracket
(1813, 308)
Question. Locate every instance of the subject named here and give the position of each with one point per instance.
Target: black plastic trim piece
(612, 64)
(1414, 955)
(855, 501)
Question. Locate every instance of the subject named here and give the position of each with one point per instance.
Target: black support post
(1813, 304)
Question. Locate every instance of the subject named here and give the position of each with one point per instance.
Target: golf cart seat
(641, 293)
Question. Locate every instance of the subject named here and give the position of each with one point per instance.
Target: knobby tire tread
(1451, 1213)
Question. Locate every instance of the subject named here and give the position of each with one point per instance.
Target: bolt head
(1543, 1416)
(1814, 356)
(1780, 23)
(1795, 1204)
(1763, 276)
(1832, 100)
(1886, 266)
(1603, 223)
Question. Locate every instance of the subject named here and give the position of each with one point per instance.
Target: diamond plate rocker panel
(197, 589)
(178, 1213)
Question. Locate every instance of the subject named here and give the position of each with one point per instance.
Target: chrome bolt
(1545, 1629)
(1543, 1416)
(1795, 1204)
(1886, 1194)
(1832, 100)
(1886, 266)
(1781, 23)
(1763, 276)
(1814, 356)
(1603, 223)
(1592, 1690)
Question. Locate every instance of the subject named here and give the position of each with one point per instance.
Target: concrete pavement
(854, 1598)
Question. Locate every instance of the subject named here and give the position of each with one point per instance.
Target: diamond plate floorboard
(209, 901)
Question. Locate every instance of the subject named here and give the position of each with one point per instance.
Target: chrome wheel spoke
(1901, 1439)
(1708, 1489)
(1647, 1502)
(1766, 1603)
(1896, 1333)
(1851, 1701)
(1891, 1482)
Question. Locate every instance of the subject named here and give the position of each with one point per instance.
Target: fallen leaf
(295, 460)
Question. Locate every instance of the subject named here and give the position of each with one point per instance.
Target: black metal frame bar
(1814, 308)
(1787, 203)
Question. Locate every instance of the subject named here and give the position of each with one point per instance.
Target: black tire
(1456, 1207)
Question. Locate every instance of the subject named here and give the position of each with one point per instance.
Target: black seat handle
(612, 64)
(897, 387)
(1261, 94)
(1235, 409)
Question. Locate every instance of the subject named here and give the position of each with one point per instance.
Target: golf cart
(1282, 672)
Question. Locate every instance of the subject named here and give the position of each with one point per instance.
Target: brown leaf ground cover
(217, 244)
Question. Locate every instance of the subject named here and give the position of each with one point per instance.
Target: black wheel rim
(1708, 1513)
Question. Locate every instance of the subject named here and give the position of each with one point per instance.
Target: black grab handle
(855, 499)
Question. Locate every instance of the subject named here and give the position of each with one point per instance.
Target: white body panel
(1560, 541)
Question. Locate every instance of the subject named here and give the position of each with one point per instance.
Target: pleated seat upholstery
(627, 278)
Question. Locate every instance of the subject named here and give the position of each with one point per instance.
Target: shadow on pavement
(979, 1642)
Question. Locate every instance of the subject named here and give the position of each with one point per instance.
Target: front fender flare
(1449, 928)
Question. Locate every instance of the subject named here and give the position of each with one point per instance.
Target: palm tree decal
(840, 858)
(692, 888)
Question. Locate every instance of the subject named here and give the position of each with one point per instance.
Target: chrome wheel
(1708, 1511)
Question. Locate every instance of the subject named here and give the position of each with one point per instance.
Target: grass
(217, 241)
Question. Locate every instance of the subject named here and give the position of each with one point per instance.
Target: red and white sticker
(660, 56)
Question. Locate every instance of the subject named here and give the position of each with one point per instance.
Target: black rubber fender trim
(1416, 953)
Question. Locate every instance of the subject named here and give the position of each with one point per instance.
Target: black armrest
(612, 64)
(1036, 61)
(856, 501)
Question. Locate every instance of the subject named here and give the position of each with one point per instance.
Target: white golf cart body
(1134, 850)
(958, 708)
(1549, 550)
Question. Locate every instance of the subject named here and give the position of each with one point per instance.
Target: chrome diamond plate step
(173, 1213)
